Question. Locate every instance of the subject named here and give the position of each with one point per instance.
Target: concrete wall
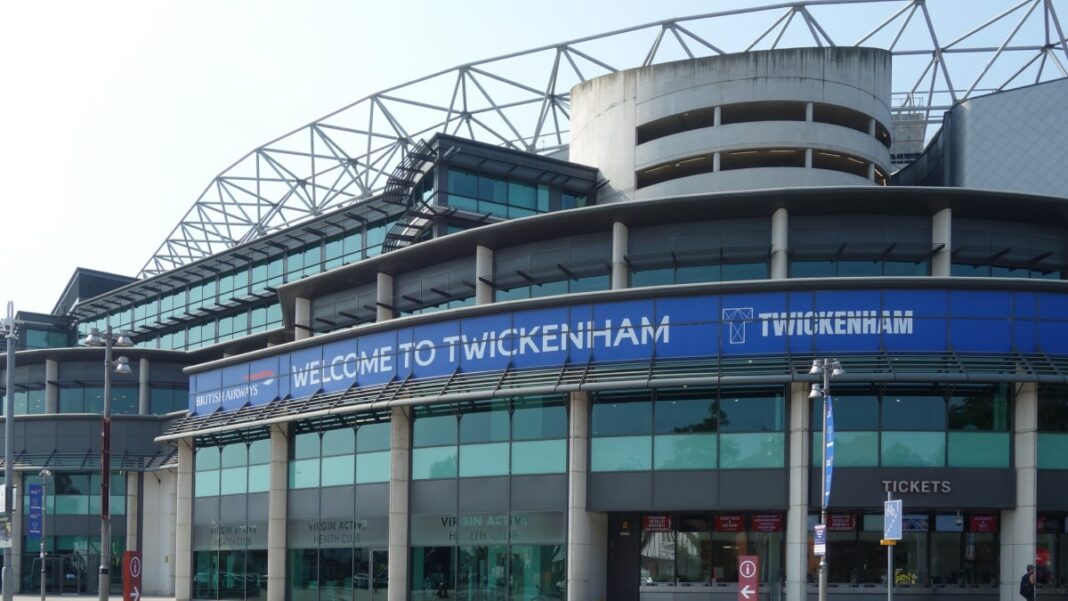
(158, 537)
(607, 110)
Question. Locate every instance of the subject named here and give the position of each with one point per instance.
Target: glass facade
(704, 548)
(230, 521)
(936, 549)
(1053, 428)
(966, 426)
(688, 429)
(500, 197)
(72, 536)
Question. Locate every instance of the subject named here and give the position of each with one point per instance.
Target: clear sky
(114, 115)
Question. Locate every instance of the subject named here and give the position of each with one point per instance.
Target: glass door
(379, 574)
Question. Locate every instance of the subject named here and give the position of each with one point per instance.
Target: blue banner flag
(828, 441)
(33, 525)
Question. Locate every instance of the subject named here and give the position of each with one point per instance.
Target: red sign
(131, 576)
(767, 522)
(748, 577)
(730, 523)
(983, 523)
(841, 522)
(656, 523)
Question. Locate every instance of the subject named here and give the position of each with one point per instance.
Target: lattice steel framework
(521, 100)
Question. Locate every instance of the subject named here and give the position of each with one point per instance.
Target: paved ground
(85, 598)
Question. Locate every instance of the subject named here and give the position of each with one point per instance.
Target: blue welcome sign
(833, 321)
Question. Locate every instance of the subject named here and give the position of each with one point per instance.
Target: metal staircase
(401, 190)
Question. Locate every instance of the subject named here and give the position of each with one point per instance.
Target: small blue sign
(892, 519)
(819, 540)
(828, 467)
(36, 507)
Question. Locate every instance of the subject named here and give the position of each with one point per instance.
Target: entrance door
(379, 576)
(624, 556)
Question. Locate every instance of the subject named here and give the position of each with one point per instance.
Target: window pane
(914, 449)
(372, 467)
(852, 449)
(306, 445)
(1052, 451)
(986, 409)
(747, 412)
(851, 412)
(484, 426)
(685, 452)
(539, 457)
(621, 453)
(259, 478)
(751, 450)
(339, 442)
(206, 483)
(978, 449)
(522, 195)
(234, 455)
(484, 459)
(338, 470)
(372, 437)
(434, 462)
(207, 458)
(539, 418)
(614, 415)
(690, 412)
(304, 473)
(434, 430)
(234, 481)
(919, 412)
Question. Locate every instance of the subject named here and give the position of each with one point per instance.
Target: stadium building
(591, 370)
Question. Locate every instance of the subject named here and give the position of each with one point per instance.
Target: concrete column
(620, 244)
(301, 318)
(1018, 525)
(809, 110)
(587, 536)
(144, 390)
(51, 386)
(871, 172)
(278, 490)
(384, 297)
(133, 507)
(399, 462)
(183, 538)
(483, 275)
(942, 235)
(716, 162)
(16, 534)
(871, 127)
(797, 513)
(717, 116)
(780, 244)
(808, 158)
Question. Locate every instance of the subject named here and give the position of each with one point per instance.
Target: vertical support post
(51, 386)
(301, 318)
(797, 516)
(889, 565)
(810, 110)
(384, 297)
(587, 536)
(399, 476)
(780, 244)
(277, 498)
(9, 445)
(620, 243)
(1020, 524)
(717, 116)
(183, 533)
(808, 158)
(942, 243)
(16, 541)
(44, 529)
(483, 275)
(104, 582)
(144, 390)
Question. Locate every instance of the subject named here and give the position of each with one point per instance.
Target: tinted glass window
(913, 412)
(678, 412)
(750, 412)
(622, 414)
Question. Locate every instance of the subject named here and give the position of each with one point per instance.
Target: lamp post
(9, 329)
(45, 475)
(121, 366)
(828, 368)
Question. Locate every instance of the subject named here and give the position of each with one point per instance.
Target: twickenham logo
(863, 322)
(736, 318)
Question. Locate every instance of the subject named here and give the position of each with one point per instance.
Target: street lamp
(45, 475)
(10, 330)
(121, 366)
(828, 368)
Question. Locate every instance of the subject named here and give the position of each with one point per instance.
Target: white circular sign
(747, 569)
(135, 566)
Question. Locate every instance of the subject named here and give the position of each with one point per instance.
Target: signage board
(33, 521)
(841, 522)
(5, 533)
(748, 577)
(730, 523)
(892, 519)
(982, 522)
(766, 522)
(699, 326)
(656, 523)
(828, 451)
(131, 576)
(819, 540)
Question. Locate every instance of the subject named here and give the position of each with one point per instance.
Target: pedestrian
(1027, 584)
